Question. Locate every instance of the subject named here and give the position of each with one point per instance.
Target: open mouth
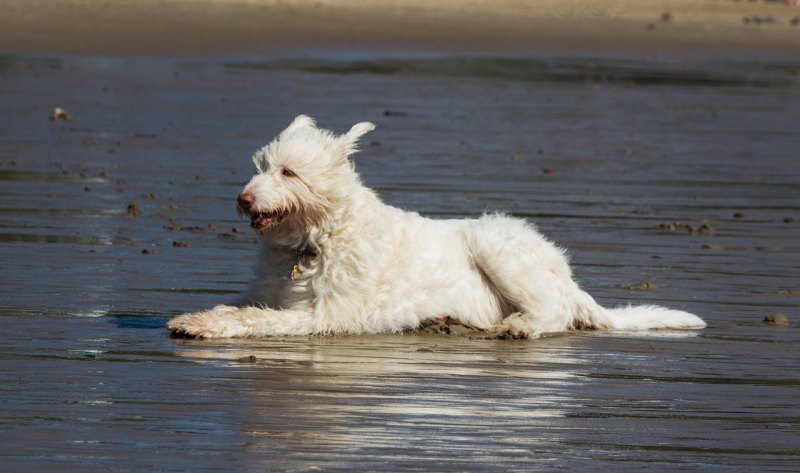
(261, 221)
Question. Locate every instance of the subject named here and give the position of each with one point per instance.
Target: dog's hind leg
(226, 321)
(528, 272)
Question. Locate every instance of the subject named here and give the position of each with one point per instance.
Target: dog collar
(303, 252)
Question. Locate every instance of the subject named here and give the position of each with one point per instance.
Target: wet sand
(670, 181)
(605, 163)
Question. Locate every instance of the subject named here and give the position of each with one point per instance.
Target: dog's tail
(646, 317)
(590, 314)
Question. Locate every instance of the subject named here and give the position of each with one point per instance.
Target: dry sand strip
(203, 27)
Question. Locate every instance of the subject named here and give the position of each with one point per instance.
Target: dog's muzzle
(259, 221)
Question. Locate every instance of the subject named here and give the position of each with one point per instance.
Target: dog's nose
(245, 200)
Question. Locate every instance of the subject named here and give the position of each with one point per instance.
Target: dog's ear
(299, 122)
(358, 130)
(350, 139)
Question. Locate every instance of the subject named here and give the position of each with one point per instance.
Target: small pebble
(642, 286)
(134, 210)
(776, 319)
(712, 246)
(705, 229)
(60, 114)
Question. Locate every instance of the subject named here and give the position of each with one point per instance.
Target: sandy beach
(209, 27)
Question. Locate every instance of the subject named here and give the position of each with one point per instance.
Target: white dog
(337, 260)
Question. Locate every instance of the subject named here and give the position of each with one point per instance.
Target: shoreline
(296, 27)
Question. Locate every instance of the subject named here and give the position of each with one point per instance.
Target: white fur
(366, 267)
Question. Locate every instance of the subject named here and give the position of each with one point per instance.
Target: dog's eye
(287, 172)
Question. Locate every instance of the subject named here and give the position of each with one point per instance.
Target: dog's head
(303, 175)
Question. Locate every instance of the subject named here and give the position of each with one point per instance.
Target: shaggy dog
(337, 260)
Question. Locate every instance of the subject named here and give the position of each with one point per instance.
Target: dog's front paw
(214, 323)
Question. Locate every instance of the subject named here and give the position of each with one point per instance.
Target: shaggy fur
(335, 259)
